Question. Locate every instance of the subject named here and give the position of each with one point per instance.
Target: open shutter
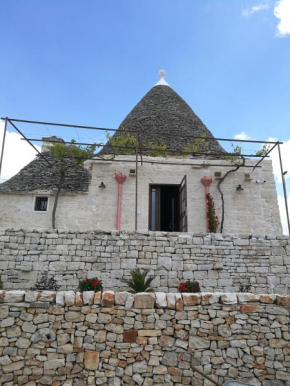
(155, 208)
(183, 206)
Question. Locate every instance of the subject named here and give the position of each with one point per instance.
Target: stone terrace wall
(219, 262)
(84, 339)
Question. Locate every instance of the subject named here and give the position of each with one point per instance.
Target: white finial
(162, 74)
(162, 81)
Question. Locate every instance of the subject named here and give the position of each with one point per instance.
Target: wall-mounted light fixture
(261, 181)
(102, 185)
(285, 173)
(239, 188)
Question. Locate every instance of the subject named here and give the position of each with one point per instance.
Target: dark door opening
(168, 208)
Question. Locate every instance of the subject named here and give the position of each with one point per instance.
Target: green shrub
(1, 283)
(138, 281)
(93, 284)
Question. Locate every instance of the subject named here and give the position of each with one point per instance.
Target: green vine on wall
(213, 220)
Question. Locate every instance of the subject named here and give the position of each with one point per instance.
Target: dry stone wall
(68, 338)
(219, 262)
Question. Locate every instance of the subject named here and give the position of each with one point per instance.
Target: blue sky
(90, 62)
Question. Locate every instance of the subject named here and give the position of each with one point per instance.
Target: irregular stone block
(44, 334)
(22, 342)
(73, 316)
(69, 298)
(179, 302)
(248, 308)
(88, 297)
(191, 299)
(4, 312)
(266, 298)
(198, 342)
(13, 367)
(161, 301)
(129, 302)
(79, 299)
(91, 360)
(169, 359)
(59, 298)
(229, 298)
(166, 341)
(130, 336)
(5, 360)
(98, 297)
(144, 300)
(140, 367)
(108, 299)
(29, 327)
(91, 318)
(120, 298)
(171, 299)
(46, 296)
(149, 333)
(248, 297)
(210, 298)
(54, 364)
(283, 300)
(31, 296)
(14, 296)
(7, 322)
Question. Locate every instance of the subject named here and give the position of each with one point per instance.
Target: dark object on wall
(245, 287)
(46, 283)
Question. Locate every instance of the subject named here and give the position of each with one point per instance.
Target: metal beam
(266, 155)
(136, 185)
(3, 145)
(168, 163)
(136, 131)
(284, 189)
(31, 144)
(148, 148)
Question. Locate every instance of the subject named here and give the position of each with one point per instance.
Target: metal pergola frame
(138, 149)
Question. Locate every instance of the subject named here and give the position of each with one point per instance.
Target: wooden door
(182, 206)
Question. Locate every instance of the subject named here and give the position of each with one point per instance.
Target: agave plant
(138, 281)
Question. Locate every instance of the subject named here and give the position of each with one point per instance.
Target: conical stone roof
(164, 116)
(37, 175)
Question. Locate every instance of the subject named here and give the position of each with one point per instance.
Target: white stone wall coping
(142, 300)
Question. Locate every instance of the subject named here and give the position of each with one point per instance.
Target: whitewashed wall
(253, 210)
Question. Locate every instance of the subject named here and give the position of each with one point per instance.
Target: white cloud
(282, 12)
(17, 153)
(256, 8)
(243, 135)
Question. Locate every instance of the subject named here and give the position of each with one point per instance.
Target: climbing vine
(126, 143)
(198, 145)
(213, 220)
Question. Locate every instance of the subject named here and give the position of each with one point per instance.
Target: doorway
(167, 208)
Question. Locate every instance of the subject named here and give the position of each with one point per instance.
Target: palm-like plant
(138, 281)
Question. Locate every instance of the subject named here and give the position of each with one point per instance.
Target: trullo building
(162, 193)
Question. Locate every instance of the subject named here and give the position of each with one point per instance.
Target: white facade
(253, 210)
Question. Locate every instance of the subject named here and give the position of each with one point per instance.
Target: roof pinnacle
(162, 81)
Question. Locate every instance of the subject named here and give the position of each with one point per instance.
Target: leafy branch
(62, 154)
(197, 145)
(125, 143)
